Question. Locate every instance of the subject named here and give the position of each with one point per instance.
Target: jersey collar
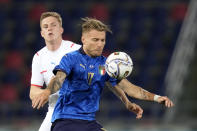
(82, 51)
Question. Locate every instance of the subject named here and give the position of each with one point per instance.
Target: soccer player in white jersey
(48, 57)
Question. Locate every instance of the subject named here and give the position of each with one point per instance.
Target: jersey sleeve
(65, 65)
(113, 81)
(36, 77)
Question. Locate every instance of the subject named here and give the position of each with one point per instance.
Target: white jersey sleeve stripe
(36, 85)
(72, 45)
(43, 71)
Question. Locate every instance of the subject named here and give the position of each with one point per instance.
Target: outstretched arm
(139, 93)
(54, 85)
(122, 96)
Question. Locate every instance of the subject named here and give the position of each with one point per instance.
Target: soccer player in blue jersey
(81, 83)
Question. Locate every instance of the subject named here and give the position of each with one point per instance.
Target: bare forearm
(56, 83)
(34, 91)
(139, 93)
(136, 91)
(119, 93)
(122, 96)
(145, 95)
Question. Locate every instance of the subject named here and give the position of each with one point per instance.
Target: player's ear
(41, 33)
(62, 30)
(82, 39)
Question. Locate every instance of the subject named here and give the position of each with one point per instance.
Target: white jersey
(44, 62)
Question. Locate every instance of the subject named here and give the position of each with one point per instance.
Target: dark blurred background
(148, 30)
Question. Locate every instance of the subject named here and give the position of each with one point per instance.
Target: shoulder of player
(70, 44)
(73, 55)
(41, 52)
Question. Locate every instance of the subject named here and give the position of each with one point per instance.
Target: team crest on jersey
(102, 70)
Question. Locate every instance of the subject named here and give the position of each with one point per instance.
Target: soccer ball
(119, 65)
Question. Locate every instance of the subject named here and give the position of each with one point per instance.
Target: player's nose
(49, 28)
(100, 44)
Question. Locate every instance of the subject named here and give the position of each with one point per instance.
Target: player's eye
(45, 27)
(95, 39)
(53, 25)
(103, 40)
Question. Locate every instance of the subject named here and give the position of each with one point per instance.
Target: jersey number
(90, 76)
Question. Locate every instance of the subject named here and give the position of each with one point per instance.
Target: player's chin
(51, 38)
(98, 53)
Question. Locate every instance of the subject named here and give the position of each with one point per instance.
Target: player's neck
(54, 45)
(88, 53)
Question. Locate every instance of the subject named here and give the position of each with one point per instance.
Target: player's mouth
(50, 34)
(99, 50)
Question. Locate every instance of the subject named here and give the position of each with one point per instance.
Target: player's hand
(135, 109)
(165, 100)
(41, 99)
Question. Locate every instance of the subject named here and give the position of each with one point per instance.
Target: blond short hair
(92, 23)
(53, 14)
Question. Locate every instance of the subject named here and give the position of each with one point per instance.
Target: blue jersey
(80, 93)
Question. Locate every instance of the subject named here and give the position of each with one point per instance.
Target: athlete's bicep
(127, 86)
(61, 75)
(56, 82)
